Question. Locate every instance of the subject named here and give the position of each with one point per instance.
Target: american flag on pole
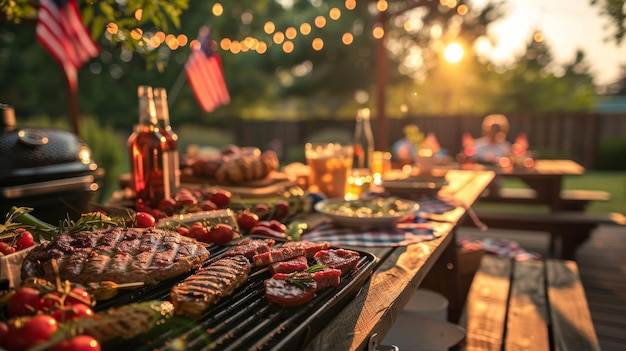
(61, 32)
(204, 73)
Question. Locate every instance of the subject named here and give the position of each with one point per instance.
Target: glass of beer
(330, 165)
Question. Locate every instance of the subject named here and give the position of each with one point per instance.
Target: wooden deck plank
(569, 311)
(527, 324)
(490, 296)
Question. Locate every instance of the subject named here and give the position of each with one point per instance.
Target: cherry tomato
(185, 197)
(281, 210)
(6, 248)
(25, 302)
(4, 332)
(184, 231)
(197, 230)
(144, 220)
(168, 205)
(34, 330)
(246, 220)
(208, 205)
(78, 343)
(220, 234)
(220, 197)
(25, 240)
(69, 312)
(263, 210)
(54, 299)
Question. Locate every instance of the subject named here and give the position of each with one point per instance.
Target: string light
(291, 33)
(334, 13)
(320, 21)
(317, 44)
(350, 4)
(217, 9)
(305, 28)
(347, 38)
(269, 27)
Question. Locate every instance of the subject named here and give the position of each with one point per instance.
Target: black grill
(246, 320)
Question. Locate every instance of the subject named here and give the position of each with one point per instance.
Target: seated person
(493, 144)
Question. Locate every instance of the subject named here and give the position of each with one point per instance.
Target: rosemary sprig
(305, 278)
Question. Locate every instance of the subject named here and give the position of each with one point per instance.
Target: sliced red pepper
(267, 231)
(273, 224)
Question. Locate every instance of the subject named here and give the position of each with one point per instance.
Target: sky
(567, 25)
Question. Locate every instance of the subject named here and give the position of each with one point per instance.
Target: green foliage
(611, 155)
(108, 151)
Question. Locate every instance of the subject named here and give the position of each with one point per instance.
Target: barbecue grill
(246, 320)
(47, 169)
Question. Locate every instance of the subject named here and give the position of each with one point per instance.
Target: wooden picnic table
(545, 178)
(401, 270)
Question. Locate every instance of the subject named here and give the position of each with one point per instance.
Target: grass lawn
(612, 182)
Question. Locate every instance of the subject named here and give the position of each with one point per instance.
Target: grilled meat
(296, 264)
(199, 291)
(327, 278)
(342, 259)
(284, 292)
(277, 255)
(250, 247)
(310, 247)
(121, 255)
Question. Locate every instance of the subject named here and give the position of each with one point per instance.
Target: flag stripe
(204, 73)
(61, 32)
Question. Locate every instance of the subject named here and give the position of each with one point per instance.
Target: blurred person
(404, 150)
(493, 144)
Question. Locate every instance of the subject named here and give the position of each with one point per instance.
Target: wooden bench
(527, 305)
(572, 199)
(571, 228)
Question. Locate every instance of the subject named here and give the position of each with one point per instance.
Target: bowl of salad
(381, 212)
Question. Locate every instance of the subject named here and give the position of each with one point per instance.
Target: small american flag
(61, 32)
(204, 73)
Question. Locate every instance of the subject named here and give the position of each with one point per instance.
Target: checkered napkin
(413, 231)
(433, 204)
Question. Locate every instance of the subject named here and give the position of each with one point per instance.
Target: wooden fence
(575, 136)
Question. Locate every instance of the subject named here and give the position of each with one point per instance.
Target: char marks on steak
(296, 264)
(278, 254)
(122, 255)
(249, 247)
(342, 259)
(199, 291)
(310, 247)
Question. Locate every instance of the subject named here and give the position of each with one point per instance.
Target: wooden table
(545, 178)
(400, 271)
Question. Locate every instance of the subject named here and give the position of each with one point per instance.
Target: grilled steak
(342, 259)
(122, 255)
(277, 255)
(310, 247)
(327, 278)
(199, 291)
(285, 293)
(296, 264)
(250, 247)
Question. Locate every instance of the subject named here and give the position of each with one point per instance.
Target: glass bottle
(171, 159)
(363, 141)
(146, 145)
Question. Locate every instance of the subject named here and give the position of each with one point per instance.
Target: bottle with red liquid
(171, 160)
(146, 145)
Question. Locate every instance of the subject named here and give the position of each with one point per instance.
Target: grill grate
(245, 320)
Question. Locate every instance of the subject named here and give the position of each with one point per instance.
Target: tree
(615, 11)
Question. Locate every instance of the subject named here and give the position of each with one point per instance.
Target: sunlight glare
(453, 53)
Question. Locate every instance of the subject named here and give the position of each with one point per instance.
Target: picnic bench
(571, 199)
(570, 228)
(527, 305)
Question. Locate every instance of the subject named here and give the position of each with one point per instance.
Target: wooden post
(72, 106)
(380, 137)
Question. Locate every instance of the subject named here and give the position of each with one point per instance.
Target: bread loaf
(236, 165)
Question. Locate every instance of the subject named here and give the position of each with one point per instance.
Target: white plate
(337, 210)
(216, 216)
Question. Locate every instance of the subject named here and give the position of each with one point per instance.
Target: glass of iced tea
(330, 165)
